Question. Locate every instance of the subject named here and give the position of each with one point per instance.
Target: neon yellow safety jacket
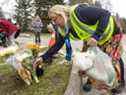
(85, 31)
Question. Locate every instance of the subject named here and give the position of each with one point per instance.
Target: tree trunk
(74, 86)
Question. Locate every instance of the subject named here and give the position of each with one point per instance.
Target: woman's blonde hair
(62, 10)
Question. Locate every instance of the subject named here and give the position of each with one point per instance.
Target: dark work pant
(37, 38)
(122, 69)
(17, 33)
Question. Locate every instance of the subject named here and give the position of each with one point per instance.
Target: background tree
(24, 13)
(42, 6)
(123, 23)
(81, 1)
(1, 12)
(41, 9)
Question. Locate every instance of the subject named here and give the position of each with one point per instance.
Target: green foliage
(26, 9)
(23, 13)
(53, 82)
(80, 1)
(42, 7)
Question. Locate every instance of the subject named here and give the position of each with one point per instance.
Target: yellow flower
(32, 46)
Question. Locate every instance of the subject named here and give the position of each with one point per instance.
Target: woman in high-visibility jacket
(93, 25)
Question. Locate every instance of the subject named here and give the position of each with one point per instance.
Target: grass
(53, 82)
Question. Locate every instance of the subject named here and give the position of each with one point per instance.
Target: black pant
(17, 33)
(122, 69)
(37, 37)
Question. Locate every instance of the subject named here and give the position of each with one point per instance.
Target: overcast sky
(118, 6)
(8, 6)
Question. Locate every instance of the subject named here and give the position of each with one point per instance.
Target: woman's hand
(36, 62)
(92, 42)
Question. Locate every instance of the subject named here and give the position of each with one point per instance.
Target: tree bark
(74, 86)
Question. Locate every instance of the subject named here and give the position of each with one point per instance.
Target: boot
(119, 88)
(87, 86)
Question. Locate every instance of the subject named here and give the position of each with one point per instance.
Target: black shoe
(122, 83)
(118, 89)
(88, 86)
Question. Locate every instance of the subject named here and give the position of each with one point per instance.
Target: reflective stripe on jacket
(85, 31)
